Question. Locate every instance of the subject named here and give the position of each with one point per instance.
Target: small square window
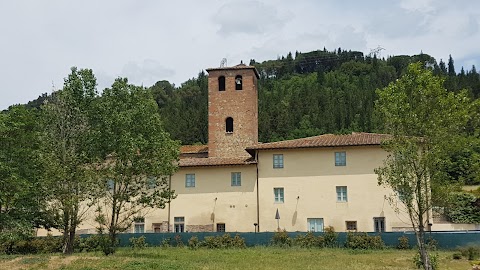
(220, 227)
(278, 193)
(351, 225)
(277, 161)
(236, 179)
(190, 180)
(340, 159)
(341, 194)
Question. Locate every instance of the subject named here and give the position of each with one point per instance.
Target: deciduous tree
(423, 119)
(66, 144)
(136, 157)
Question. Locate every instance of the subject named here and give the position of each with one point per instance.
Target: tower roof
(237, 67)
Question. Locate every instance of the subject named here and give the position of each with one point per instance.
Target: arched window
(221, 83)
(238, 82)
(229, 125)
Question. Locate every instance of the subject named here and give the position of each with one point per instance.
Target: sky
(153, 40)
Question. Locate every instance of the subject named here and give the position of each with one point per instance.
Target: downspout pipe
(258, 194)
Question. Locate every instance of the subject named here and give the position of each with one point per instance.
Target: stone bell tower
(232, 111)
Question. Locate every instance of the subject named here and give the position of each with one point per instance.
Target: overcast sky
(152, 40)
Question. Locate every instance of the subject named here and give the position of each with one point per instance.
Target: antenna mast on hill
(223, 63)
(376, 52)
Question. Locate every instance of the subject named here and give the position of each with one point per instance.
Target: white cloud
(153, 40)
(146, 72)
(249, 17)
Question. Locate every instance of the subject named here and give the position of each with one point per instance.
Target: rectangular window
(236, 179)
(110, 184)
(179, 224)
(351, 225)
(139, 228)
(139, 225)
(315, 224)
(190, 180)
(278, 192)
(379, 224)
(278, 161)
(341, 194)
(220, 227)
(340, 159)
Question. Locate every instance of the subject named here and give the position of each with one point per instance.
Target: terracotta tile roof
(239, 66)
(193, 149)
(194, 162)
(326, 140)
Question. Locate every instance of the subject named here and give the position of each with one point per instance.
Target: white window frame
(279, 194)
(236, 179)
(179, 224)
(342, 193)
(341, 158)
(316, 222)
(138, 227)
(379, 224)
(278, 161)
(189, 180)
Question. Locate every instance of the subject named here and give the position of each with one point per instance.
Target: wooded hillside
(309, 94)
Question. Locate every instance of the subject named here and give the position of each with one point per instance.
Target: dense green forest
(309, 94)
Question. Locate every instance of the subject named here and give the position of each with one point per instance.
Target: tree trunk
(422, 248)
(66, 230)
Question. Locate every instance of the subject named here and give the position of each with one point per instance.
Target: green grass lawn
(250, 258)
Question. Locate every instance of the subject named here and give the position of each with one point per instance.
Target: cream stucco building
(236, 184)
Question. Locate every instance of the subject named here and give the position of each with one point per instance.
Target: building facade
(236, 184)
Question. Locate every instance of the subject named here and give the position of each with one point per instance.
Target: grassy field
(251, 258)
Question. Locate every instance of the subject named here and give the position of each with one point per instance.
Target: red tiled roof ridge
(327, 140)
(215, 161)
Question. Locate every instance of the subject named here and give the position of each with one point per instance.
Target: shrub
(9, 238)
(238, 242)
(363, 241)
(47, 244)
(211, 242)
(330, 237)
(178, 240)
(281, 239)
(471, 252)
(432, 244)
(309, 241)
(193, 243)
(166, 242)
(403, 243)
(90, 243)
(433, 261)
(138, 242)
(224, 241)
(457, 256)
